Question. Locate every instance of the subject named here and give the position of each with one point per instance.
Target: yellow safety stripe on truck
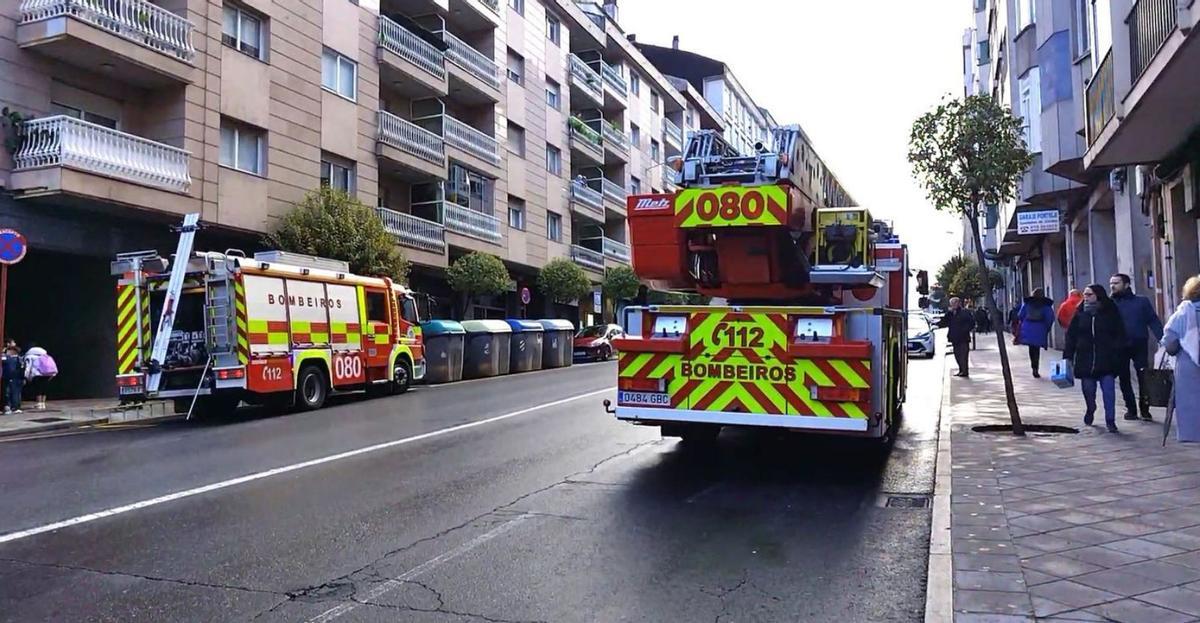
(243, 333)
(130, 315)
(270, 333)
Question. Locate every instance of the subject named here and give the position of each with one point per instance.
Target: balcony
(589, 200)
(615, 193)
(416, 152)
(473, 143)
(672, 135)
(615, 142)
(474, 76)
(668, 179)
(467, 15)
(414, 232)
(409, 63)
(587, 258)
(129, 40)
(1159, 110)
(1099, 100)
(472, 223)
(586, 146)
(586, 85)
(615, 250)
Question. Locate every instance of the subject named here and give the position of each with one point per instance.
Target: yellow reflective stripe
(666, 366)
(852, 410)
(635, 366)
(849, 374)
(774, 335)
(811, 371)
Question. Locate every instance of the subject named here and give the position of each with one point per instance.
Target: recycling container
(444, 340)
(525, 352)
(558, 343)
(487, 347)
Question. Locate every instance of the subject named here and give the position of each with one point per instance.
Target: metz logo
(653, 203)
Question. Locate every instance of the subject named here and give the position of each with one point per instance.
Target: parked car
(595, 342)
(920, 336)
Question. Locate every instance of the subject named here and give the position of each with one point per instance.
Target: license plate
(129, 391)
(643, 399)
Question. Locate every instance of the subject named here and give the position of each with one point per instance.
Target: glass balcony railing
(614, 137)
(1099, 99)
(616, 250)
(587, 258)
(615, 191)
(586, 78)
(672, 133)
(587, 197)
(613, 79)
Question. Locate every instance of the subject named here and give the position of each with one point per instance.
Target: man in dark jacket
(960, 322)
(1141, 321)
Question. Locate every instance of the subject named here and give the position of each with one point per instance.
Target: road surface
(511, 499)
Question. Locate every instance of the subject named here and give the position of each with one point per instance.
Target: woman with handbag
(1094, 342)
(1181, 338)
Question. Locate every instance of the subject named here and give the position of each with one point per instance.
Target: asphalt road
(539, 507)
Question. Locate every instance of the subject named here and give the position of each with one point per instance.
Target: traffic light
(922, 282)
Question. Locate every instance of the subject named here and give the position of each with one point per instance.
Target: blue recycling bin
(525, 349)
(444, 341)
(487, 348)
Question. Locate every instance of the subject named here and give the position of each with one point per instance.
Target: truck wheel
(311, 389)
(402, 377)
(700, 436)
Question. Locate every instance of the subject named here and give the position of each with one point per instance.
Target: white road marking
(179, 495)
(417, 571)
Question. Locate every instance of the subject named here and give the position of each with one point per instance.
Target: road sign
(1040, 222)
(525, 296)
(12, 246)
(597, 302)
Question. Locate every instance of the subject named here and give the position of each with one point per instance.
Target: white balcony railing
(586, 78)
(614, 137)
(136, 20)
(587, 257)
(64, 141)
(672, 132)
(472, 60)
(614, 191)
(616, 250)
(668, 178)
(587, 196)
(407, 137)
(470, 140)
(472, 223)
(614, 79)
(413, 231)
(398, 40)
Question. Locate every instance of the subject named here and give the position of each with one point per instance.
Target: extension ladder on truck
(166, 322)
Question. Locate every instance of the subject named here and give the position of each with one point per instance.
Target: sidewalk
(1084, 527)
(62, 414)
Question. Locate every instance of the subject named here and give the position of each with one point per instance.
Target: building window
(635, 83)
(1026, 13)
(517, 5)
(635, 186)
(635, 135)
(553, 29)
(470, 189)
(516, 213)
(983, 52)
(337, 173)
(554, 226)
(516, 67)
(1083, 36)
(553, 159)
(339, 74)
(79, 113)
(654, 104)
(654, 150)
(243, 31)
(242, 146)
(516, 139)
(1029, 87)
(553, 94)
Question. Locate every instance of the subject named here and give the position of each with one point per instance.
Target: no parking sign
(13, 246)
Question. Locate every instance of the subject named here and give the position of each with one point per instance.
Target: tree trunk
(997, 326)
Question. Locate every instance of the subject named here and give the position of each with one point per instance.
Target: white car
(920, 336)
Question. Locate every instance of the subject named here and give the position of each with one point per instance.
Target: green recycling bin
(525, 351)
(486, 352)
(444, 340)
(558, 343)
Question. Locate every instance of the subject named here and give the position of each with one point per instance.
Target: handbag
(1061, 374)
(1159, 383)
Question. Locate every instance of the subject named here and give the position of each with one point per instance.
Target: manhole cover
(47, 420)
(893, 500)
(1038, 430)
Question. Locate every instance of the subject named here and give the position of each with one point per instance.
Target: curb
(939, 584)
(111, 415)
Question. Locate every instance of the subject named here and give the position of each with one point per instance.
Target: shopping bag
(1061, 374)
(1160, 380)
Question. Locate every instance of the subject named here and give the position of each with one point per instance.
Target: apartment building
(515, 128)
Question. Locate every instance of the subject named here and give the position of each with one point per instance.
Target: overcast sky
(853, 74)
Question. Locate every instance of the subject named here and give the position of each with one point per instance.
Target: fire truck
(210, 330)
(810, 331)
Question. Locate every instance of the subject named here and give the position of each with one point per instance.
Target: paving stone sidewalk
(1084, 527)
(64, 414)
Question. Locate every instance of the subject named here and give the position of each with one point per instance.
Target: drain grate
(894, 500)
(47, 420)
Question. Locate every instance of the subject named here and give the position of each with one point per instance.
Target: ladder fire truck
(210, 330)
(810, 333)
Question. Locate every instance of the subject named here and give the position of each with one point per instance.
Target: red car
(595, 343)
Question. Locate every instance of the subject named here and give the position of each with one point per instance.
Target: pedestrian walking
(1182, 340)
(12, 369)
(959, 322)
(1094, 342)
(1066, 310)
(1035, 318)
(1140, 321)
(983, 320)
(40, 368)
